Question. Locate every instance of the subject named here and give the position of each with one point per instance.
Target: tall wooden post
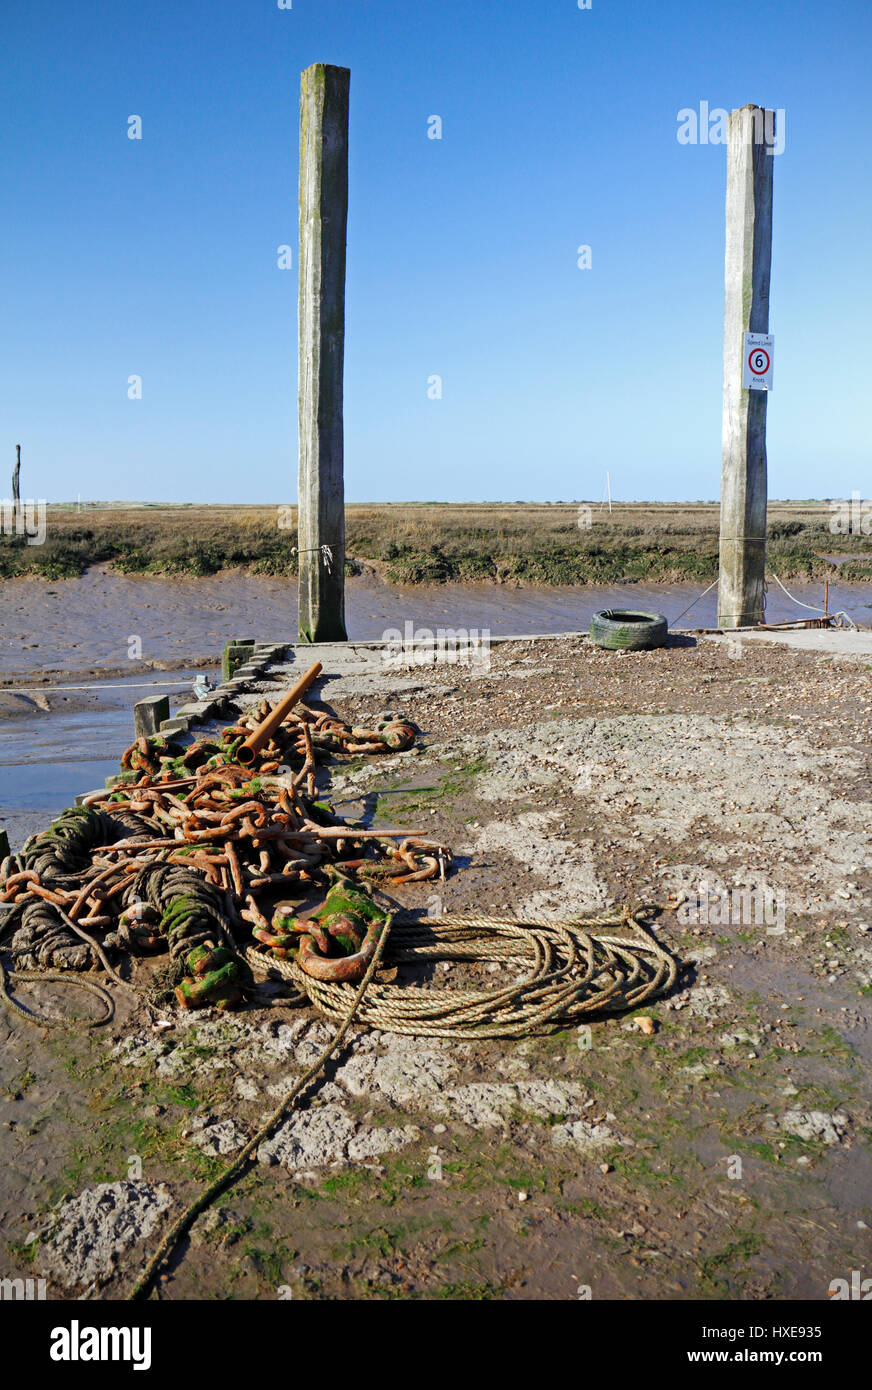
(16, 477)
(324, 94)
(751, 136)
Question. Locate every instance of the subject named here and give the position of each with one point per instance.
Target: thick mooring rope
(55, 977)
(565, 971)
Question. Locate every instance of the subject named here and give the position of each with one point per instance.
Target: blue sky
(158, 257)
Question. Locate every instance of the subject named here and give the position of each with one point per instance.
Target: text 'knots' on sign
(758, 362)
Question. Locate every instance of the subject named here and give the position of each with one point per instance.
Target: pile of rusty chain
(190, 852)
(184, 862)
(306, 736)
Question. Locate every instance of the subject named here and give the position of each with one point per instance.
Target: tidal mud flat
(721, 1151)
(85, 628)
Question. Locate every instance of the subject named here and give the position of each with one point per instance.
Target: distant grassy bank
(436, 543)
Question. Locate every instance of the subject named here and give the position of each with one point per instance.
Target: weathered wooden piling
(750, 141)
(324, 93)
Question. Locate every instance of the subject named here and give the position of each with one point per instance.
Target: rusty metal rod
(247, 751)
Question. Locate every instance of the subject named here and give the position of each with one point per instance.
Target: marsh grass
(435, 543)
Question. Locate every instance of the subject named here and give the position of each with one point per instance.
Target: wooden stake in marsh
(750, 156)
(324, 94)
(16, 480)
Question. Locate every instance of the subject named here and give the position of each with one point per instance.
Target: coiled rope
(57, 978)
(565, 971)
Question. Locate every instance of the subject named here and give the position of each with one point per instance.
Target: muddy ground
(726, 1155)
(56, 632)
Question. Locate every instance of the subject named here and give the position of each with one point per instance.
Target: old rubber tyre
(620, 630)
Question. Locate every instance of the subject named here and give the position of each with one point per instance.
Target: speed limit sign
(759, 360)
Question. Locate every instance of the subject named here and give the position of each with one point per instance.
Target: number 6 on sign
(758, 361)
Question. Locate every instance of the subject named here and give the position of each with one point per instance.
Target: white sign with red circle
(758, 361)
